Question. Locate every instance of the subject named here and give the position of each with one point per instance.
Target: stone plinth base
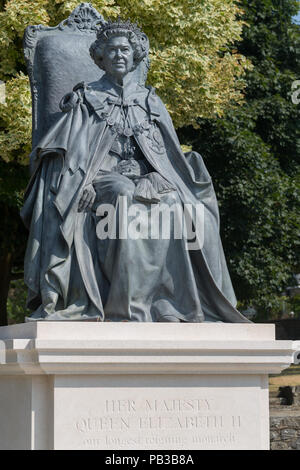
(76, 385)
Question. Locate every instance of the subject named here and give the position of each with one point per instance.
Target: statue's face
(118, 56)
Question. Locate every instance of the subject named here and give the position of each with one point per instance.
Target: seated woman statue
(115, 146)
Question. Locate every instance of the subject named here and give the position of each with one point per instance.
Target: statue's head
(119, 48)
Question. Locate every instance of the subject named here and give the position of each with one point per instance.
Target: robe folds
(70, 273)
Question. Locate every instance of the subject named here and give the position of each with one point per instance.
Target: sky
(297, 18)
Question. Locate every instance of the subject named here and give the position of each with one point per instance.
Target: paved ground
(285, 411)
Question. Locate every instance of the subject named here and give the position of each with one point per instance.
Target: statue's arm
(73, 98)
(192, 159)
(55, 143)
(69, 102)
(161, 114)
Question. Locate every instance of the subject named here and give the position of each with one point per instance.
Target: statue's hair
(135, 36)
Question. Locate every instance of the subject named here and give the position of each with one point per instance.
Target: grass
(288, 378)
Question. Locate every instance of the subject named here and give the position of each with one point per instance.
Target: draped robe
(70, 274)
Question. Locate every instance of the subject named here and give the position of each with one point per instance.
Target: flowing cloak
(61, 269)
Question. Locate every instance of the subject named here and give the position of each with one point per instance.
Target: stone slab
(137, 386)
(154, 412)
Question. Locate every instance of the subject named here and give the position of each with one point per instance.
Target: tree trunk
(5, 272)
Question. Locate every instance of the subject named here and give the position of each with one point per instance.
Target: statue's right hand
(68, 102)
(87, 199)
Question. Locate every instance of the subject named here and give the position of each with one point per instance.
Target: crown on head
(119, 24)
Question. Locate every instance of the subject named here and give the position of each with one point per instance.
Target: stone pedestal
(77, 385)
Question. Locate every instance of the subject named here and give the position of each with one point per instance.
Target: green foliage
(15, 139)
(193, 66)
(294, 306)
(16, 302)
(198, 66)
(253, 156)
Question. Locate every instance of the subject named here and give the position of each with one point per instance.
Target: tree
(253, 156)
(194, 68)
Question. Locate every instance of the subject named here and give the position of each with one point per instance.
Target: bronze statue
(114, 146)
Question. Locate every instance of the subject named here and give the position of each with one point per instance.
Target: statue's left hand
(87, 199)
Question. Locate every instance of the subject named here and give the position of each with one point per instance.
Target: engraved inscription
(180, 422)
(174, 441)
(122, 406)
(109, 423)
